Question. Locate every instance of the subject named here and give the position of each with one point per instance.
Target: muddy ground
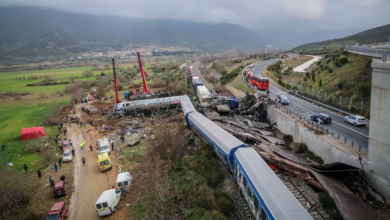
(89, 181)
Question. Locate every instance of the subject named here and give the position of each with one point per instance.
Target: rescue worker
(59, 161)
(51, 181)
(70, 142)
(83, 161)
(81, 146)
(72, 150)
(194, 98)
(91, 122)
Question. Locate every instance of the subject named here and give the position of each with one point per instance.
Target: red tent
(32, 133)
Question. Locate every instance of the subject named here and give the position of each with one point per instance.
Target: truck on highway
(283, 56)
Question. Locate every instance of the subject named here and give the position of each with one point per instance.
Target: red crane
(115, 82)
(145, 87)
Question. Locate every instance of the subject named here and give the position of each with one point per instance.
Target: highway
(357, 135)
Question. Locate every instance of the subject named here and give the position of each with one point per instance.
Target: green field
(8, 82)
(15, 116)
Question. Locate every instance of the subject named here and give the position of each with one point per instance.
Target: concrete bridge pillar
(379, 135)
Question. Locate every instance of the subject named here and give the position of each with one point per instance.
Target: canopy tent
(32, 133)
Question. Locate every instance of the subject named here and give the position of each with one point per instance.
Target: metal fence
(384, 54)
(348, 104)
(316, 126)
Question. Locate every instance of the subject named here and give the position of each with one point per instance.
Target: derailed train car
(267, 196)
(148, 105)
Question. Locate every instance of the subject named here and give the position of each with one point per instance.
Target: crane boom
(115, 83)
(145, 87)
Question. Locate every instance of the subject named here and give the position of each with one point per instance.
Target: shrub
(302, 148)
(87, 73)
(340, 85)
(288, 139)
(158, 82)
(18, 98)
(13, 190)
(330, 69)
(343, 60)
(47, 156)
(120, 87)
(328, 204)
(32, 146)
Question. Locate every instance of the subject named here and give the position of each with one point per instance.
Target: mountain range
(375, 35)
(32, 31)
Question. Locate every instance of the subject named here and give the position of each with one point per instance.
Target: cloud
(279, 15)
(306, 9)
(367, 2)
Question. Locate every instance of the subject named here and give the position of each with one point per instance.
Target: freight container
(197, 83)
(194, 78)
(203, 94)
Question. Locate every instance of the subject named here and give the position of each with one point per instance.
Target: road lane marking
(313, 105)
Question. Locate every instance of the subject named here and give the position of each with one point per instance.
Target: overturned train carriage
(149, 105)
(265, 193)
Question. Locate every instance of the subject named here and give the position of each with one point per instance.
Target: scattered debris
(132, 143)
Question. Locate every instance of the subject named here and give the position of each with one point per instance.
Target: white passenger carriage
(265, 193)
(223, 143)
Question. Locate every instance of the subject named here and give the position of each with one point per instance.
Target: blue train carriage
(265, 193)
(223, 143)
(186, 106)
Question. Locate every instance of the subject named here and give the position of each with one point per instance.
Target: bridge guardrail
(379, 53)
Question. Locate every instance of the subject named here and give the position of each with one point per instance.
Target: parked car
(67, 156)
(65, 144)
(321, 118)
(59, 211)
(59, 189)
(90, 98)
(282, 99)
(356, 120)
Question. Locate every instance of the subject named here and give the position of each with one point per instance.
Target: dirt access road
(89, 181)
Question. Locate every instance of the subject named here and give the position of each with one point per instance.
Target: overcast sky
(272, 15)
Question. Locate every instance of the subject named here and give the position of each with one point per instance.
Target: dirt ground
(89, 181)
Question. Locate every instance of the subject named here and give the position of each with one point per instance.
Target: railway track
(205, 83)
(309, 203)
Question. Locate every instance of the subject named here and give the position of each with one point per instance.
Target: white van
(107, 202)
(103, 146)
(124, 180)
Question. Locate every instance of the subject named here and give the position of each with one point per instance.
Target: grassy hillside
(375, 35)
(337, 75)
